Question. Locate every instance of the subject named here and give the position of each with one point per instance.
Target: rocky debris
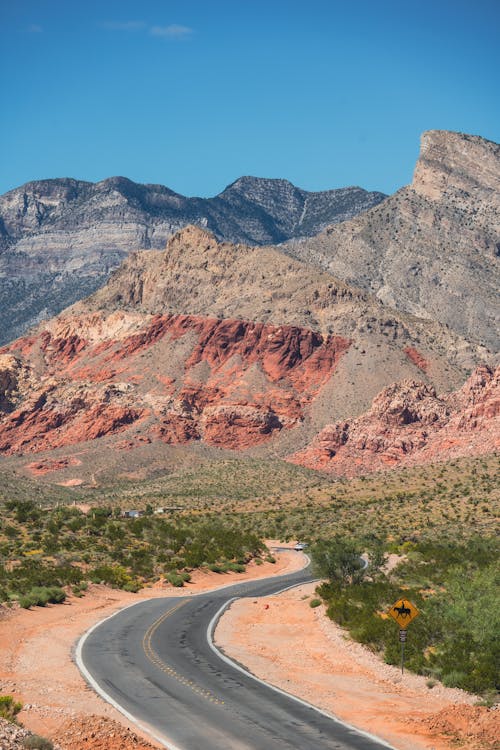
(410, 424)
(60, 239)
(473, 727)
(432, 248)
(98, 733)
(12, 737)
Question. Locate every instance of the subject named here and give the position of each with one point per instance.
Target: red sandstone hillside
(410, 424)
(210, 344)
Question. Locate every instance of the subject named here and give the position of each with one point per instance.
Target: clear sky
(195, 93)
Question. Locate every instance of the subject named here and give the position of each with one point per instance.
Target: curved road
(155, 661)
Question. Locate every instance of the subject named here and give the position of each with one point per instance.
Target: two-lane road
(155, 660)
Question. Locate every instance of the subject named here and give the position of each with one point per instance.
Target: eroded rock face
(456, 163)
(14, 378)
(432, 248)
(232, 383)
(410, 424)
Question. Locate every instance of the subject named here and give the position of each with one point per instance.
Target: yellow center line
(158, 662)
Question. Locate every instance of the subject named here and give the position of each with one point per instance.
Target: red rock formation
(47, 466)
(258, 379)
(239, 427)
(409, 424)
(417, 358)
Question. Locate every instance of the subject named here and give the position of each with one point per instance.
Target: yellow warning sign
(403, 611)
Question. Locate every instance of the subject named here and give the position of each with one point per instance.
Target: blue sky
(194, 94)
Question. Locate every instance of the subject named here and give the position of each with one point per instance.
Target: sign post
(403, 612)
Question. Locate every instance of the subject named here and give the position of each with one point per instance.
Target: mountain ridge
(433, 247)
(60, 239)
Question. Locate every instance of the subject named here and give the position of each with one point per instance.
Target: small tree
(338, 560)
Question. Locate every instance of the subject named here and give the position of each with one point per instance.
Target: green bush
(9, 708)
(232, 567)
(175, 579)
(40, 596)
(314, 603)
(114, 575)
(216, 568)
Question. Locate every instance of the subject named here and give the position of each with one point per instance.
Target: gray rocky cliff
(432, 248)
(61, 238)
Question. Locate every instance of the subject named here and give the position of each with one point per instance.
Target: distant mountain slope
(213, 344)
(59, 239)
(433, 247)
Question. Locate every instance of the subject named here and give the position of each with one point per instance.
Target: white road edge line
(235, 665)
(95, 685)
(99, 690)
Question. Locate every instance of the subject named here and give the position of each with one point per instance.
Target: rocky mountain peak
(28, 208)
(191, 243)
(60, 239)
(263, 189)
(456, 162)
(432, 248)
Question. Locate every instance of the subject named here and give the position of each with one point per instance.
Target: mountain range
(61, 238)
(208, 346)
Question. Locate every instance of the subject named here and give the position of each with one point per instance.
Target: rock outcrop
(432, 248)
(410, 424)
(231, 383)
(60, 239)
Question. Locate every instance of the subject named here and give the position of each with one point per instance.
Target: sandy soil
(36, 659)
(284, 641)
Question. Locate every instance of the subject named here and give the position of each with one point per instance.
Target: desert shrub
(9, 708)
(114, 575)
(233, 567)
(40, 596)
(216, 568)
(132, 587)
(35, 742)
(338, 560)
(314, 603)
(175, 579)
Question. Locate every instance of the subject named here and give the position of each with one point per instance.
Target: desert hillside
(209, 343)
(432, 248)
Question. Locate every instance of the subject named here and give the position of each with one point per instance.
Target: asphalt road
(154, 659)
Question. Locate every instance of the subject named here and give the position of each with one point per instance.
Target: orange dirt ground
(36, 665)
(284, 641)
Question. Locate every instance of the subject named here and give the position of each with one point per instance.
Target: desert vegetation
(439, 521)
(47, 550)
(455, 589)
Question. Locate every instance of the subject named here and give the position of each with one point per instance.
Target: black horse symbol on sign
(403, 611)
